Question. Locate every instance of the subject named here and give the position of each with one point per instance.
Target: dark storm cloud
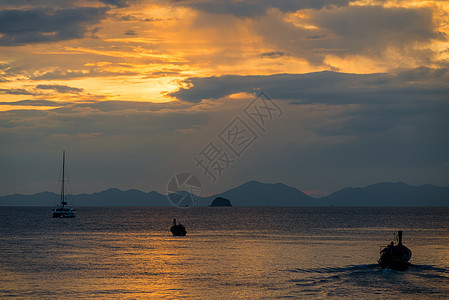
(42, 25)
(413, 104)
(422, 74)
(114, 118)
(54, 87)
(69, 74)
(411, 118)
(116, 3)
(68, 107)
(33, 103)
(117, 105)
(130, 32)
(365, 30)
(164, 73)
(253, 8)
(16, 92)
(398, 138)
(60, 88)
(331, 88)
(273, 54)
(358, 28)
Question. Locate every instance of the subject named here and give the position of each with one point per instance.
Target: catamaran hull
(58, 214)
(64, 216)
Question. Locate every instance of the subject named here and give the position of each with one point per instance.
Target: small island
(220, 201)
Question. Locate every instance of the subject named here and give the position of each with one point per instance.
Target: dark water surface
(228, 253)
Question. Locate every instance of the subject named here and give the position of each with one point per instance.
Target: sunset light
(224, 149)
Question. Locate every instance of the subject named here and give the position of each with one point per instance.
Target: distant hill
(390, 194)
(255, 193)
(220, 201)
(116, 197)
(110, 197)
(39, 199)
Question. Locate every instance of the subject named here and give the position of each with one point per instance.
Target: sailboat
(61, 210)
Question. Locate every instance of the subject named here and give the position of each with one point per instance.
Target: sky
(316, 94)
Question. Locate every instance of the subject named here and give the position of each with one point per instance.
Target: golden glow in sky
(142, 51)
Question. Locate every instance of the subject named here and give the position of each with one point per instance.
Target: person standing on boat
(390, 247)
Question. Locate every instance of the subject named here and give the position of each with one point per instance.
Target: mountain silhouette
(220, 201)
(109, 197)
(254, 193)
(117, 197)
(391, 194)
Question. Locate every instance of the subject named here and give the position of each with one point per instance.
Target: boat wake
(371, 279)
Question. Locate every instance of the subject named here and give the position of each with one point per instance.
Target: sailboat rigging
(61, 210)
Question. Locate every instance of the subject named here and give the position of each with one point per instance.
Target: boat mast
(63, 179)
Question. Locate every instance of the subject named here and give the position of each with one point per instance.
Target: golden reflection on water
(136, 265)
(142, 265)
(119, 262)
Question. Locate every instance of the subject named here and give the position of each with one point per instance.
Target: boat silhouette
(61, 210)
(395, 257)
(178, 229)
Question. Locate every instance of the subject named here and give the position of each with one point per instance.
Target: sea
(228, 253)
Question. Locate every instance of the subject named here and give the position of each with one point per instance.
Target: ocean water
(228, 253)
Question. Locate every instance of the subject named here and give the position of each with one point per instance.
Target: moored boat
(61, 210)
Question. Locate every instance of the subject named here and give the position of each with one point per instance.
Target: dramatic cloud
(401, 34)
(74, 74)
(255, 8)
(410, 104)
(394, 140)
(117, 3)
(273, 54)
(134, 89)
(33, 103)
(43, 25)
(130, 32)
(16, 92)
(326, 87)
(59, 88)
(360, 28)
